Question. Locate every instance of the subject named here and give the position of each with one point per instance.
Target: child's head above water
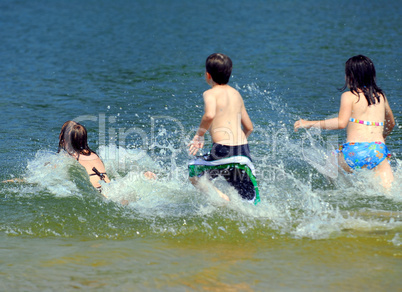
(219, 66)
(360, 75)
(73, 139)
(359, 71)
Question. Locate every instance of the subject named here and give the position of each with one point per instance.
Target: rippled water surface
(132, 72)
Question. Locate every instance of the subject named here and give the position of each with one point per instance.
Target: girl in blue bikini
(366, 114)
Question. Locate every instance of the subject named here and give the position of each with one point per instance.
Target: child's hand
(150, 175)
(300, 124)
(196, 144)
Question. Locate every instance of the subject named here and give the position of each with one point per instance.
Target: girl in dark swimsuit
(73, 140)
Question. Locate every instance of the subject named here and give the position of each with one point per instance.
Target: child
(224, 116)
(73, 139)
(368, 117)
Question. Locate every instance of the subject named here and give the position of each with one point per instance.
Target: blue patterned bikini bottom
(364, 154)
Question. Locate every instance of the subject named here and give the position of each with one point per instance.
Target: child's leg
(342, 163)
(384, 171)
(222, 195)
(204, 188)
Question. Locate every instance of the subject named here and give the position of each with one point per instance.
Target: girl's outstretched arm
(340, 122)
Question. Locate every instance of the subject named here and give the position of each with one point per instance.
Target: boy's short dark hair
(220, 67)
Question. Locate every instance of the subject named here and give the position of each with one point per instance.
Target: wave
(301, 195)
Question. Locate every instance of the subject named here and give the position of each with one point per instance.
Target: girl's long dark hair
(360, 75)
(73, 139)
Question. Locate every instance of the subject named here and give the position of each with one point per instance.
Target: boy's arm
(246, 122)
(209, 114)
(389, 120)
(206, 121)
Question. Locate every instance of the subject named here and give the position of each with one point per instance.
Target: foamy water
(301, 203)
(132, 72)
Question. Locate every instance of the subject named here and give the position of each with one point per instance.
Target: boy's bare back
(225, 116)
(225, 105)
(226, 119)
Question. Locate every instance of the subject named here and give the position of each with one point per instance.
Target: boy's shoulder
(209, 91)
(216, 90)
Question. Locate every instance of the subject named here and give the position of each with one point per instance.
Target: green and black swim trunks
(232, 163)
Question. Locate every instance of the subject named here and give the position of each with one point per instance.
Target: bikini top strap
(100, 174)
(367, 123)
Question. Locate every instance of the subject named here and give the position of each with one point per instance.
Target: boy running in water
(227, 120)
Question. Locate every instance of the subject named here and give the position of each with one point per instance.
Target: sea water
(132, 73)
